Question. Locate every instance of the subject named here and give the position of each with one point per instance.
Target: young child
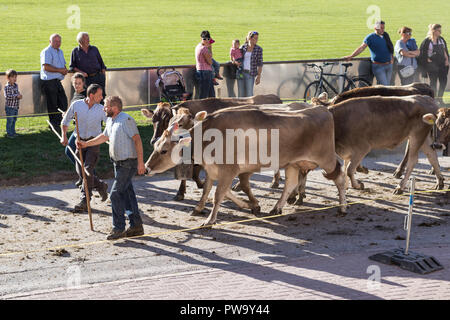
(12, 97)
(215, 65)
(236, 57)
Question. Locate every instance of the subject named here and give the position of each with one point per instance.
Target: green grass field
(164, 32)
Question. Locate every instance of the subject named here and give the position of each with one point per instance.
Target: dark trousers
(441, 75)
(122, 195)
(90, 159)
(206, 86)
(99, 79)
(56, 98)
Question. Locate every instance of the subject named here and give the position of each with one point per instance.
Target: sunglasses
(254, 33)
(408, 33)
(206, 38)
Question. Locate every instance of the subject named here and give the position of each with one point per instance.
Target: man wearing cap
(381, 52)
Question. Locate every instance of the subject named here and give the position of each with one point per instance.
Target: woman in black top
(434, 60)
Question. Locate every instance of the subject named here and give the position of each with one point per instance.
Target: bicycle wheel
(290, 89)
(357, 82)
(313, 90)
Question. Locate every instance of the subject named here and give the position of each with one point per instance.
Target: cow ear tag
(200, 116)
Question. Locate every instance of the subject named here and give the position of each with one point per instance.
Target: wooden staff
(86, 188)
(70, 149)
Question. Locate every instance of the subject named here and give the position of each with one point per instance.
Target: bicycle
(320, 85)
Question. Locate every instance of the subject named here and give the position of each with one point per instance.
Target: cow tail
(333, 175)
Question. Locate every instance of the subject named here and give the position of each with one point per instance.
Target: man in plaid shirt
(12, 97)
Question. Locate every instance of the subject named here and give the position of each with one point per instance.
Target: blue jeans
(11, 113)
(245, 86)
(72, 146)
(383, 73)
(122, 195)
(206, 87)
(216, 68)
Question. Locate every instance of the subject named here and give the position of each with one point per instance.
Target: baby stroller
(171, 87)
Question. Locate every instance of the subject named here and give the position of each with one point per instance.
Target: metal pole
(408, 219)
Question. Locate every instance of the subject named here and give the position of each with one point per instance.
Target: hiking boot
(215, 82)
(103, 191)
(135, 231)
(81, 206)
(219, 77)
(115, 234)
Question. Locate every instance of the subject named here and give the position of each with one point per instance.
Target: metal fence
(136, 86)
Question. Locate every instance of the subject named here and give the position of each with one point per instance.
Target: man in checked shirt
(90, 115)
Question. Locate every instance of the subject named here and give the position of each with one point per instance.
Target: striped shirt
(89, 119)
(201, 63)
(11, 92)
(256, 58)
(120, 132)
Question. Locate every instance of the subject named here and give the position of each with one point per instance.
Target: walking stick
(70, 149)
(86, 188)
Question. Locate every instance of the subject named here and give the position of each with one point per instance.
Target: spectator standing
(204, 74)
(87, 60)
(406, 56)
(126, 152)
(12, 97)
(252, 64)
(433, 59)
(381, 51)
(90, 115)
(53, 70)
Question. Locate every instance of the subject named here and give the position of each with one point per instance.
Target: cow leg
(206, 189)
(413, 156)
(276, 180)
(181, 191)
(433, 160)
(291, 174)
(300, 190)
(222, 189)
(244, 178)
(401, 167)
(196, 176)
(339, 179)
(351, 168)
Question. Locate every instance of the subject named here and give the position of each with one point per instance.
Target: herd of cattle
(320, 134)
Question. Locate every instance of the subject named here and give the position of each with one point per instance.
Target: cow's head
(160, 118)
(167, 151)
(322, 99)
(185, 119)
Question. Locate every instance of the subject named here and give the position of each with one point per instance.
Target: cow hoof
(179, 197)
(197, 212)
(206, 225)
(275, 211)
(397, 174)
(439, 186)
(292, 200)
(398, 191)
(431, 172)
(274, 185)
(360, 186)
(362, 169)
(236, 187)
(299, 202)
(200, 185)
(256, 210)
(341, 212)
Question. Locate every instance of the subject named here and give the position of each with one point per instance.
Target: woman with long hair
(434, 59)
(406, 52)
(252, 65)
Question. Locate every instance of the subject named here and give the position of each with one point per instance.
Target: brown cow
(306, 141)
(163, 113)
(363, 124)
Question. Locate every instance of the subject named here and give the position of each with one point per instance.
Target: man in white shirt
(90, 115)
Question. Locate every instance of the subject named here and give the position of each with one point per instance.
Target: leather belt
(246, 71)
(120, 162)
(87, 139)
(93, 74)
(381, 63)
